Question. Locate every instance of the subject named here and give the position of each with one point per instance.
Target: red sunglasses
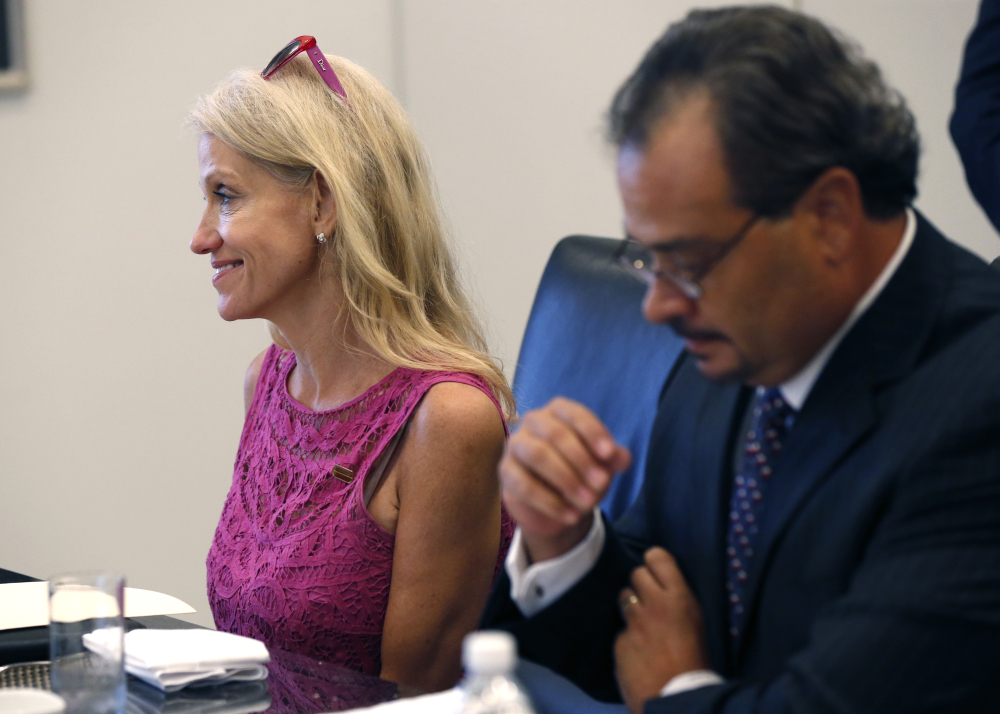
(306, 44)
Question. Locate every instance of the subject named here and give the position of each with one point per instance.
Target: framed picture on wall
(13, 73)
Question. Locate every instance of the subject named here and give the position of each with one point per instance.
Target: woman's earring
(321, 238)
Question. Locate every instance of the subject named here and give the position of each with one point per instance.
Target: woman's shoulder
(450, 394)
(458, 414)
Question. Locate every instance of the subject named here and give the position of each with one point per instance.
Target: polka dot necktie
(770, 421)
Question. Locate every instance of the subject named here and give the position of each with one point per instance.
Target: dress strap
(473, 380)
(429, 379)
(375, 476)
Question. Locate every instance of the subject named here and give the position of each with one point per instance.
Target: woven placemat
(33, 675)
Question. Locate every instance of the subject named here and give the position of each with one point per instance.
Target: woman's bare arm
(447, 535)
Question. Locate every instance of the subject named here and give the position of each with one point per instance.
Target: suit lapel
(820, 437)
(840, 410)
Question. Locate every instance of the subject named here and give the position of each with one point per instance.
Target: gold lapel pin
(342, 473)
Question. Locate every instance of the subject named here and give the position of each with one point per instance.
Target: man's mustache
(680, 327)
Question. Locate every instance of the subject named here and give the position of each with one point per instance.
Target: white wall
(120, 388)
(510, 96)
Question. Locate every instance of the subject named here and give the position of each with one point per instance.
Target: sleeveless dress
(297, 561)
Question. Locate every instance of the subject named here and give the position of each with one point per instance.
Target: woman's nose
(205, 239)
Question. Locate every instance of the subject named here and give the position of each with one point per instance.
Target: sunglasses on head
(306, 44)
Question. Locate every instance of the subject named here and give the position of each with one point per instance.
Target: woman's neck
(333, 365)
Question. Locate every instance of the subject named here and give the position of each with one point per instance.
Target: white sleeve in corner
(536, 586)
(686, 681)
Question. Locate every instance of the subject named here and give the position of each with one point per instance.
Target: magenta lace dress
(297, 561)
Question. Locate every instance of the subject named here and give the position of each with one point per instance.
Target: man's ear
(835, 212)
(324, 206)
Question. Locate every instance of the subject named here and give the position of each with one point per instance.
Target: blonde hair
(390, 247)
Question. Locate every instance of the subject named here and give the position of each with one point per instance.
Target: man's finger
(663, 567)
(549, 466)
(593, 432)
(592, 472)
(628, 601)
(522, 490)
(646, 586)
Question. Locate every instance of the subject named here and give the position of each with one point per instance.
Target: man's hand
(664, 636)
(556, 468)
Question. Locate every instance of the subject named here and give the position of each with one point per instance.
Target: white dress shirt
(535, 586)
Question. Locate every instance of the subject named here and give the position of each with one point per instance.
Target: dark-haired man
(819, 530)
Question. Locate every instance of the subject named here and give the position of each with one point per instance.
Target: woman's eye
(225, 198)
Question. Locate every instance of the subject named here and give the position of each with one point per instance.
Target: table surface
(296, 684)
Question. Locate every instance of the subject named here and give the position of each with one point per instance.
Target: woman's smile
(223, 268)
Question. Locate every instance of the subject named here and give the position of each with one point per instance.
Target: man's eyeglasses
(685, 268)
(306, 44)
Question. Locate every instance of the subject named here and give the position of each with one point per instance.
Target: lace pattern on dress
(297, 560)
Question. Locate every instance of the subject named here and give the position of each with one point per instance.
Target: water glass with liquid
(87, 641)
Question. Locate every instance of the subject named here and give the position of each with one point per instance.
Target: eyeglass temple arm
(325, 70)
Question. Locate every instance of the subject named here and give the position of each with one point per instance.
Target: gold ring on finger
(628, 602)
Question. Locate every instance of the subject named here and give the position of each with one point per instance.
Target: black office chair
(587, 340)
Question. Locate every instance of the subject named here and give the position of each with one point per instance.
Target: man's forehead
(678, 177)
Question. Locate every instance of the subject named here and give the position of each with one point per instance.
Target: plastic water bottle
(490, 658)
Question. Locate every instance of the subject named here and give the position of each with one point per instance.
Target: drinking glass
(87, 646)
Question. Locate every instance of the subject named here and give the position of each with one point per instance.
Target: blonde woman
(364, 524)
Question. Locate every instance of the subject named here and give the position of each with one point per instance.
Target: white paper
(75, 603)
(27, 604)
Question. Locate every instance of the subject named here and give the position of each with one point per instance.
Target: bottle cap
(489, 652)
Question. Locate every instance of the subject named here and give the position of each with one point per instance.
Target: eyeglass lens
(638, 259)
(641, 263)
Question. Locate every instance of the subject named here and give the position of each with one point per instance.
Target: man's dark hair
(791, 101)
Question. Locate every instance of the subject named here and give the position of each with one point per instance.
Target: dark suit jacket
(876, 582)
(975, 123)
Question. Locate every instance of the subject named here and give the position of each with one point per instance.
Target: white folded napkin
(172, 659)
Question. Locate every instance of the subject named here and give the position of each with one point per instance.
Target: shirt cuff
(536, 586)
(686, 681)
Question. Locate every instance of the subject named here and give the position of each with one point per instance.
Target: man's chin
(719, 364)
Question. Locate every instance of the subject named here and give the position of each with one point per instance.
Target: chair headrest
(587, 340)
